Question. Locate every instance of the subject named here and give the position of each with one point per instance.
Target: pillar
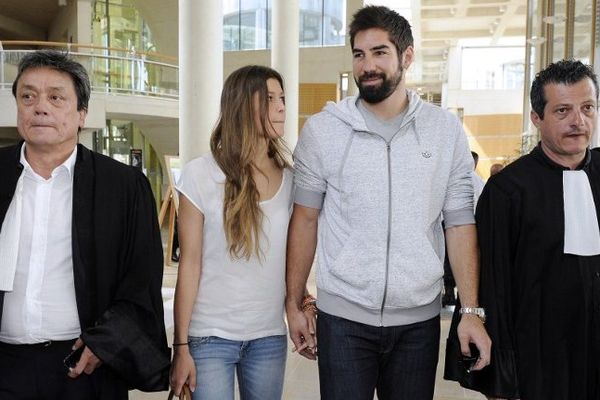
(285, 59)
(200, 74)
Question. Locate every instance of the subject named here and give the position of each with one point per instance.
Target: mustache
(577, 132)
(371, 75)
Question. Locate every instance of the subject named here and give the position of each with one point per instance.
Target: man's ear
(535, 118)
(82, 115)
(408, 56)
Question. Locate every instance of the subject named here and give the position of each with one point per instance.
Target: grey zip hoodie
(380, 247)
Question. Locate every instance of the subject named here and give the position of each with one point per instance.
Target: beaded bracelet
(309, 303)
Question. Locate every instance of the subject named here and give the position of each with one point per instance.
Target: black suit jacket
(117, 268)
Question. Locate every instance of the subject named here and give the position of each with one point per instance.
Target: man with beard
(375, 176)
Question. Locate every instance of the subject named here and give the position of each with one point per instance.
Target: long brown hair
(234, 143)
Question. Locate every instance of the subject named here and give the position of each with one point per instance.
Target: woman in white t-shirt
(234, 208)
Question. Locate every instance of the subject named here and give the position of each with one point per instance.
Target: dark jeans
(355, 359)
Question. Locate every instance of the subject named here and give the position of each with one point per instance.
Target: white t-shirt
(237, 299)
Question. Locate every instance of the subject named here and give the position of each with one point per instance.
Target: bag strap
(186, 393)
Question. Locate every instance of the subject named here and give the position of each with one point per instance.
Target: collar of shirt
(68, 165)
(539, 153)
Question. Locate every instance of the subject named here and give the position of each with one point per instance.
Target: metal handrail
(130, 73)
(69, 46)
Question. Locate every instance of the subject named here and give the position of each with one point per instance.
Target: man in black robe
(537, 223)
(110, 248)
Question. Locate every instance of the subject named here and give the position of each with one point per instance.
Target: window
(247, 23)
(231, 25)
(500, 67)
(334, 22)
(253, 24)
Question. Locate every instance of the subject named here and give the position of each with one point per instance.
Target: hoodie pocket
(355, 266)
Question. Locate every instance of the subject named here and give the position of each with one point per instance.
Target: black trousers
(36, 372)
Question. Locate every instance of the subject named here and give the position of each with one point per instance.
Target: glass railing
(111, 70)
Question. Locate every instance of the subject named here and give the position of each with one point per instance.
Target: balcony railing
(111, 70)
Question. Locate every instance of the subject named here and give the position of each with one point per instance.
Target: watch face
(479, 311)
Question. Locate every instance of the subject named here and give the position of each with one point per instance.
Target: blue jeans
(355, 359)
(259, 363)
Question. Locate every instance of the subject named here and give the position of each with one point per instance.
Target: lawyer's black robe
(543, 306)
(117, 268)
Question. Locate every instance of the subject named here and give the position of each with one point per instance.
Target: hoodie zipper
(389, 233)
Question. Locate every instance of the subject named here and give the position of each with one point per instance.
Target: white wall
(64, 26)
(86, 138)
(485, 102)
(84, 23)
(8, 116)
(317, 64)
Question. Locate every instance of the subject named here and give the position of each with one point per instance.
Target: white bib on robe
(582, 235)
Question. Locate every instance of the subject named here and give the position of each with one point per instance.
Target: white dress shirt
(42, 304)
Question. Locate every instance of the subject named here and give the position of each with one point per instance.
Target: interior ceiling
(440, 24)
(38, 13)
(20, 20)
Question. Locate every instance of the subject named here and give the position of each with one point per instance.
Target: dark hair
(381, 17)
(59, 62)
(475, 156)
(567, 72)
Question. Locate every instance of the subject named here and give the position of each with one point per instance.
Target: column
(352, 6)
(200, 74)
(286, 60)
(452, 87)
(84, 26)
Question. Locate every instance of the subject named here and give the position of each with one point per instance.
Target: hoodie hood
(347, 111)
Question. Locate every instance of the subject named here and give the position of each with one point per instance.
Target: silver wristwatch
(479, 311)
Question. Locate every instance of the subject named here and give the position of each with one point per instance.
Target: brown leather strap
(186, 393)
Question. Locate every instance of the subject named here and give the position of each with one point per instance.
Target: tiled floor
(301, 377)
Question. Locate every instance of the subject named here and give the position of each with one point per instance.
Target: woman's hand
(311, 316)
(183, 370)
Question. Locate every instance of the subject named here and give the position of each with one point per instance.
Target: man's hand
(302, 242)
(302, 332)
(87, 363)
(471, 330)
(461, 242)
